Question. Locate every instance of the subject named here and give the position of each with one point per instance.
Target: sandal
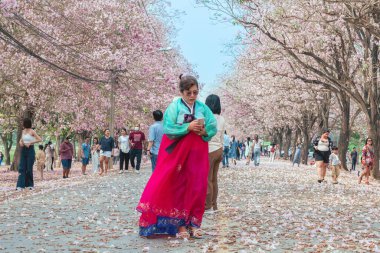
(183, 235)
(196, 233)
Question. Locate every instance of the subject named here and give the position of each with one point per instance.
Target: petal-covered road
(271, 208)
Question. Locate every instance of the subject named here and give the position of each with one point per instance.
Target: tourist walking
(1, 157)
(25, 168)
(124, 150)
(106, 147)
(248, 146)
(226, 149)
(215, 153)
(256, 149)
(40, 157)
(86, 149)
(95, 154)
(156, 131)
(48, 159)
(116, 153)
(174, 197)
(136, 141)
(322, 151)
(234, 150)
(297, 154)
(66, 151)
(368, 158)
(272, 153)
(335, 164)
(52, 150)
(243, 157)
(354, 159)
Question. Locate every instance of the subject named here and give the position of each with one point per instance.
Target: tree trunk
(7, 140)
(305, 146)
(344, 135)
(288, 141)
(298, 133)
(17, 154)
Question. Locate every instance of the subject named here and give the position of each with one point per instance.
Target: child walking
(40, 157)
(335, 164)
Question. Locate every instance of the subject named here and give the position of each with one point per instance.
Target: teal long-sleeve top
(174, 117)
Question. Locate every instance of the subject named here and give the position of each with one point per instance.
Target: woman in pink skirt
(173, 201)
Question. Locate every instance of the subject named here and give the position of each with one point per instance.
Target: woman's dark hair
(106, 129)
(366, 141)
(334, 148)
(213, 102)
(256, 137)
(158, 115)
(249, 139)
(27, 123)
(123, 128)
(233, 138)
(97, 140)
(186, 82)
(41, 147)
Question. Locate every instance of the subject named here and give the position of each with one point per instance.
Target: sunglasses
(189, 93)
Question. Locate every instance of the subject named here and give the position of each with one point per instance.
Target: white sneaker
(120, 172)
(18, 189)
(137, 172)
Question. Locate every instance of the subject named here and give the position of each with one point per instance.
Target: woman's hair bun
(180, 76)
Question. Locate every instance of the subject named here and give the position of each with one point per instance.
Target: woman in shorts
(106, 146)
(322, 151)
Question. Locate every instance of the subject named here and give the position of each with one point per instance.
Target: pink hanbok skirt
(175, 194)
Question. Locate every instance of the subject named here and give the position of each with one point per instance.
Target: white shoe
(18, 189)
(137, 172)
(209, 211)
(121, 172)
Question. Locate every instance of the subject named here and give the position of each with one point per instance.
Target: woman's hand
(21, 143)
(194, 126)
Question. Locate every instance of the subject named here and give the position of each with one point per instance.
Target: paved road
(272, 208)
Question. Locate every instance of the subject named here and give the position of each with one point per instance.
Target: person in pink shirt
(66, 151)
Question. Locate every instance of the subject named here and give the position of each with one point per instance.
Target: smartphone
(201, 122)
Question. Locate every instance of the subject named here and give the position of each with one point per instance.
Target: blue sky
(203, 41)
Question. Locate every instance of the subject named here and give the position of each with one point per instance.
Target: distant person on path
(106, 148)
(25, 168)
(156, 131)
(95, 153)
(116, 153)
(136, 141)
(86, 149)
(322, 151)
(1, 157)
(335, 164)
(354, 159)
(174, 198)
(248, 146)
(368, 157)
(243, 151)
(66, 151)
(238, 149)
(297, 154)
(215, 153)
(48, 157)
(226, 149)
(52, 150)
(40, 157)
(272, 153)
(124, 150)
(234, 150)
(256, 149)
